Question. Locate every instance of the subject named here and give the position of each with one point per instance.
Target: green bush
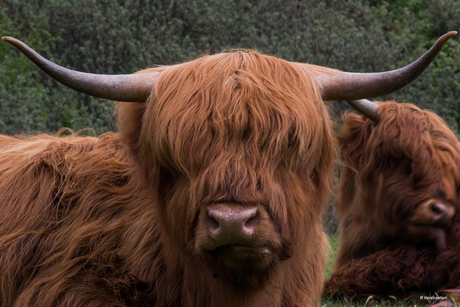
(102, 36)
(115, 36)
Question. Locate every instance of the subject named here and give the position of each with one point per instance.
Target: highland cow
(210, 195)
(398, 205)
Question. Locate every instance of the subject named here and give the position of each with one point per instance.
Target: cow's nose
(231, 224)
(442, 214)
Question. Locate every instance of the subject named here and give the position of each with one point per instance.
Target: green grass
(333, 240)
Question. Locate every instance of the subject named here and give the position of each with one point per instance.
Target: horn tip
(15, 42)
(9, 39)
(443, 39)
(450, 34)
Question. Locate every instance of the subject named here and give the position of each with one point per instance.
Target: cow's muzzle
(433, 213)
(430, 222)
(237, 235)
(231, 225)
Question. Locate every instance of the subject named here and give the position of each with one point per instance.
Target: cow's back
(63, 208)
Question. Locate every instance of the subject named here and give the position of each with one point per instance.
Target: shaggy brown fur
(386, 237)
(93, 222)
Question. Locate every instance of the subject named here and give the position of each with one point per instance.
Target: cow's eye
(440, 194)
(406, 166)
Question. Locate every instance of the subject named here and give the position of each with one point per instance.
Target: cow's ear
(130, 122)
(353, 138)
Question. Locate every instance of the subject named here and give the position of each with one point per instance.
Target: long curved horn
(130, 88)
(354, 86)
(137, 87)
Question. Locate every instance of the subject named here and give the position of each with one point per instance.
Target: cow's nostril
(442, 214)
(435, 208)
(251, 223)
(212, 223)
(438, 209)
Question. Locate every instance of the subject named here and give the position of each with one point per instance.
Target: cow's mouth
(440, 239)
(242, 266)
(430, 222)
(428, 233)
(243, 257)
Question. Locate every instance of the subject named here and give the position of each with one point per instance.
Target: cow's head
(237, 150)
(402, 176)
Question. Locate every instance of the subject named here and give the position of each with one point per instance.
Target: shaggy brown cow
(398, 196)
(210, 196)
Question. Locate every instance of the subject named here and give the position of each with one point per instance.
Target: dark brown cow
(211, 195)
(397, 201)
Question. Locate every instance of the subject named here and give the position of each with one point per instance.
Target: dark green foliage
(116, 36)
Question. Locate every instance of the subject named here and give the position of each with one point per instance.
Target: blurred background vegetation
(123, 36)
